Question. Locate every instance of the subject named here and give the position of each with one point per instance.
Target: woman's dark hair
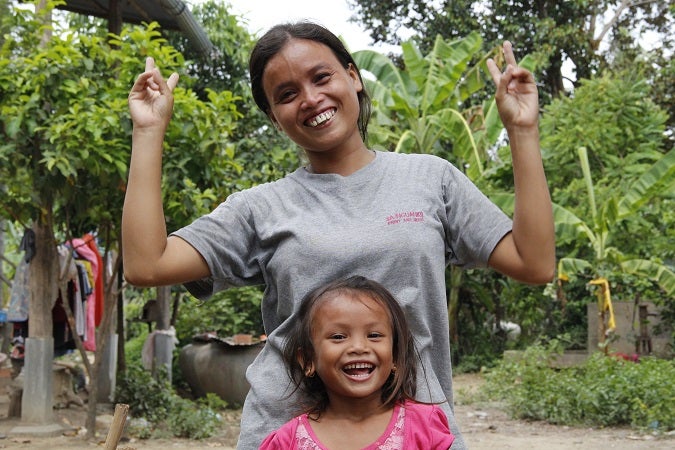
(274, 40)
(298, 349)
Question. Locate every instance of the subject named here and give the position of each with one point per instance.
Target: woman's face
(312, 98)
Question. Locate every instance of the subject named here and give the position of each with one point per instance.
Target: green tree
(264, 153)
(550, 31)
(623, 133)
(65, 141)
(422, 108)
(617, 206)
(614, 118)
(605, 150)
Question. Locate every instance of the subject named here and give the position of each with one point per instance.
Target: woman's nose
(312, 96)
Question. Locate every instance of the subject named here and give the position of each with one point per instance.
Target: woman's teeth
(321, 118)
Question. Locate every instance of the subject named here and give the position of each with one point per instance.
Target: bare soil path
(484, 425)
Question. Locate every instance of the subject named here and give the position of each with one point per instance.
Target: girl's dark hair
(401, 384)
(274, 40)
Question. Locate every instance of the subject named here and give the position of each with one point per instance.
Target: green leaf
(663, 171)
(660, 273)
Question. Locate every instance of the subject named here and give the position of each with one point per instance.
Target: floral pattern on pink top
(391, 439)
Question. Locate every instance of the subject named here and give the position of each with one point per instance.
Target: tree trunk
(456, 276)
(43, 280)
(36, 404)
(2, 266)
(103, 333)
(121, 356)
(163, 344)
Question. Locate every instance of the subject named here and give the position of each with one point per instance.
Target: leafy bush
(195, 420)
(604, 391)
(228, 312)
(146, 396)
(158, 411)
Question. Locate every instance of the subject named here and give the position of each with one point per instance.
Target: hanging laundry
(90, 258)
(98, 287)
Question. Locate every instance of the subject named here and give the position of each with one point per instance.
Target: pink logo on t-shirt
(405, 216)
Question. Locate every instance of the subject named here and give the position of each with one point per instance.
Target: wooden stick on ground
(117, 426)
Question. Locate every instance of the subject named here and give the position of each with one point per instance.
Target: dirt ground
(485, 427)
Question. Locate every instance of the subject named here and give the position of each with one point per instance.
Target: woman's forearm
(143, 225)
(533, 227)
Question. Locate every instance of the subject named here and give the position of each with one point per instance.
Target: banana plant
(606, 220)
(421, 109)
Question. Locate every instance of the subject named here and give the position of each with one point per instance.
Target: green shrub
(193, 420)
(146, 396)
(604, 391)
(228, 312)
(157, 411)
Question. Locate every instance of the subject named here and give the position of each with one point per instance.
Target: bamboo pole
(117, 426)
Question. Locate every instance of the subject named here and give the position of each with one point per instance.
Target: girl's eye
(337, 337)
(374, 335)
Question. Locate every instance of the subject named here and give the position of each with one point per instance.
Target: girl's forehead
(348, 299)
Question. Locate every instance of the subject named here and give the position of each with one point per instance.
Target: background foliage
(602, 392)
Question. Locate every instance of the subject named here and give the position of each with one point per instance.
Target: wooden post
(117, 426)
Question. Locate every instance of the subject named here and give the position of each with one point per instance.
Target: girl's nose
(359, 345)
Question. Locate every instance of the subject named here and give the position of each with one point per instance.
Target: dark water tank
(218, 366)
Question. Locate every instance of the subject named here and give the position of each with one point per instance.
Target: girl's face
(312, 98)
(353, 341)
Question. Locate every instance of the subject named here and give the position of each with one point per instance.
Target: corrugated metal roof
(170, 14)
(133, 11)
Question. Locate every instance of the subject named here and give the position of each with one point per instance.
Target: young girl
(400, 219)
(353, 356)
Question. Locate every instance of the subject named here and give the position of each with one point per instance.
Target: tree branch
(625, 4)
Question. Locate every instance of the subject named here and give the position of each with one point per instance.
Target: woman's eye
(323, 77)
(285, 96)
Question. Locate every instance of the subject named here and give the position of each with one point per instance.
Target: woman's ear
(274, 122)
(353, 73)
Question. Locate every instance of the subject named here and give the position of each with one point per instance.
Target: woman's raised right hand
(151, 98)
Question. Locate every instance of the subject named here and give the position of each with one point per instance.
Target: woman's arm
(150, 259)
(528, 252)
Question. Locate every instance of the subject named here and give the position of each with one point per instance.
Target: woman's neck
(342, 163)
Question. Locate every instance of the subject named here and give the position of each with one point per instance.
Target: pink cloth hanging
(91, 243)
(82, 249)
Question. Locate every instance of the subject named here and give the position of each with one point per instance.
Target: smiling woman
(312, 98)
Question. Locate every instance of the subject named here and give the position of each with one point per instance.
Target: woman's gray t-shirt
(400, 220)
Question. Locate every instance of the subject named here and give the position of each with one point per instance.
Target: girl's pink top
(413, 426)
